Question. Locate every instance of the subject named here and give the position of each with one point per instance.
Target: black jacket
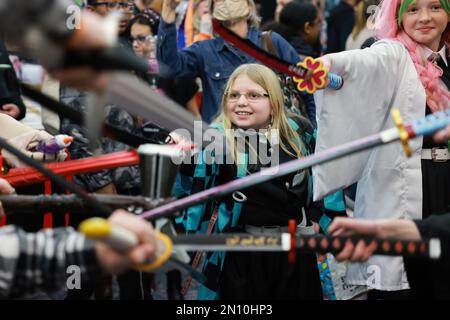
(340, 25)
(303, 48)
(9, 85)
(430, 279)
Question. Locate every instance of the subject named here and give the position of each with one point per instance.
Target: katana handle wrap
(334, 81)
(390, 247)
(122, 240)
(431, 123)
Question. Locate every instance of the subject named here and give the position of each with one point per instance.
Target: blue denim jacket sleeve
(173, 62)
(285, 50)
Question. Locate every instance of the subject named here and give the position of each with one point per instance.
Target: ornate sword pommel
(320, 77)
(404, 136)
(164, 250)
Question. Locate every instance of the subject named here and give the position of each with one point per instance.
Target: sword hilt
(430, 124)
(420, 127)
(122, 240)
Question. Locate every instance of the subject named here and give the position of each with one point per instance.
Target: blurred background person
(125, 7)
(146, 5)
(198, 22)
(340, 25)
(11, 102)
(182, 90)
(300, 23)
(361, 31)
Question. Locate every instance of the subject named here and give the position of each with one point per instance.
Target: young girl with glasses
(252, 110)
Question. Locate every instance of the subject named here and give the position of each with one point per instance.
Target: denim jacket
(213, 61)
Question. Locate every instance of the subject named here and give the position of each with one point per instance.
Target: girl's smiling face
(425, 21)
(248, 105)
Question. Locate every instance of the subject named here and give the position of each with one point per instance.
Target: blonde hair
(360, 19)
(268, 80)
(253, 19)
(362, 15)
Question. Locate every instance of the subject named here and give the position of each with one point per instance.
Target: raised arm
(174, 62)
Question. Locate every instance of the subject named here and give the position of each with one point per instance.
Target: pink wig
(387, 27)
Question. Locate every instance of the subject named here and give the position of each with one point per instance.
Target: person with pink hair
(407, 69)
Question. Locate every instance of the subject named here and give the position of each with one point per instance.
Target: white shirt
(377, 79)
(428, 52)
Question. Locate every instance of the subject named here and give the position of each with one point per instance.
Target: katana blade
(73, 203)
(57, 179)
(298, 72)
(429, 248)
(425, 126)
(187, 268)
(26, 176)
(65, 111)
(138, 98)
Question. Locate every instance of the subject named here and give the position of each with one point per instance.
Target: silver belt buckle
(436, 157)
(271, 229)
(264, 229)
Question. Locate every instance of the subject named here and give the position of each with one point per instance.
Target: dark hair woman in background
(300, 24)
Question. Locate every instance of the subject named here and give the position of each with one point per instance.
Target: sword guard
(163, 254)
(404, 136)
(4, 170)
(318, 78)
(292, 253)
(122, 240)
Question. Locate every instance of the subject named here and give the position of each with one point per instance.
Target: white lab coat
(377, 79)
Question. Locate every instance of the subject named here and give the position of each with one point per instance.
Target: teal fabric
(196, 218)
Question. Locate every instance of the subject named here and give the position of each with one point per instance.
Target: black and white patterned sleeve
(43, 260)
